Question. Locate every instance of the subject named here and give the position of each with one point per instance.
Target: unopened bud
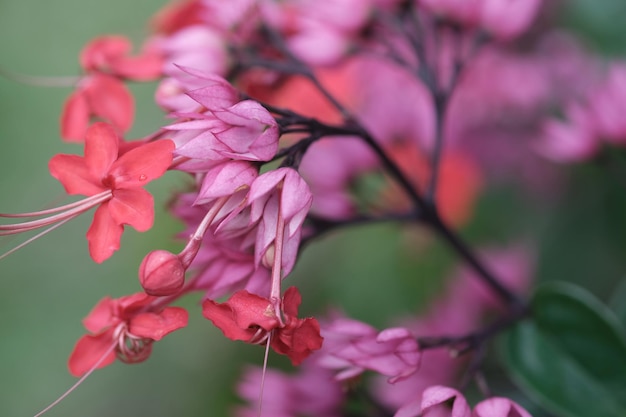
(161, 273)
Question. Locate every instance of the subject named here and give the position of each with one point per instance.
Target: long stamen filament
(267, 351)
(77, 209)
(37, 236)
(78, 383)
(57, 209)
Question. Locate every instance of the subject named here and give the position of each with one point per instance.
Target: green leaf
(571, 357)
(618, 302)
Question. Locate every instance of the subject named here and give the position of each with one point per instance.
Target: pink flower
(252, 318)
(606, 105)
(124, 328)
(351, 347)
(102, 172)
(433, 404)
(222, 128)
(311, 391)
(278, 197)
(499, 407)
(506, 19)
(570, 140)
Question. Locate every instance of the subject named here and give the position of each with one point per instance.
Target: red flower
(252, 318)
(102, 96)
(101, 171)
(125, 328)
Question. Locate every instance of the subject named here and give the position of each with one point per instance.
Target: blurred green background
(49, 286)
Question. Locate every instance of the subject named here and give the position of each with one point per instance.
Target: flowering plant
(291, 124)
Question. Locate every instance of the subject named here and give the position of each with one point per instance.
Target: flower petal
(134, 207)
(110, 100)
(73, 174)
(101, 149)
(157, 325)
(143, 164)
(75, 117)
(89, 350)
(100, 316)
(104, 234)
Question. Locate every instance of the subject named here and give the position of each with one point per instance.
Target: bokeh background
(373, 272)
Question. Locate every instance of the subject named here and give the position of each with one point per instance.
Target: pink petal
(110, 100)
(157, 325)
(143, 164)
(499, 407)
(89, 350)
(104, 234)
(134, 207)
(75, 117)
(72, 173)
(101, 149)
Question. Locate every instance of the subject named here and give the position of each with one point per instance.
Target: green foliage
(571, 356)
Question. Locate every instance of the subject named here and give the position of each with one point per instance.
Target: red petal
(291, 302)
(98, 54)
(145, 67)
(133, 207)
(223, 318)
(72, 172)
(156, 326)
(89, 350)
(110, 100)
(101, 148)
(101, 316)
(252, 310)
(104, 234)
(298, 340)
(75, 117)
(143, 164)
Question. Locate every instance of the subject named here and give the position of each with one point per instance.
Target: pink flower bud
(161, 273)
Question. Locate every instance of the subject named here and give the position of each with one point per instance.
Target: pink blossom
(499, 407)
(433, 404)
(278, 197)
(506, 19)
(223, 129)
(351, 347)
(310, 391)
(570, 140)
(607, 103)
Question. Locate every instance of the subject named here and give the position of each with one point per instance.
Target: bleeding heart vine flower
(124, 328)
(113, 183)
(253, 319)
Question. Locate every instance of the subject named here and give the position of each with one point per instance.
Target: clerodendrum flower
(124, 328)
(111, 181)
(252, 318)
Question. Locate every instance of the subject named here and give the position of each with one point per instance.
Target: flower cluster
(294, 118)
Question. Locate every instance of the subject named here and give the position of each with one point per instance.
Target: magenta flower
(124, 328)
(351, 347)
(433, 404)
(279, 201)
(499, 407)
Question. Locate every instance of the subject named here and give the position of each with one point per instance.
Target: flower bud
(161, 273)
